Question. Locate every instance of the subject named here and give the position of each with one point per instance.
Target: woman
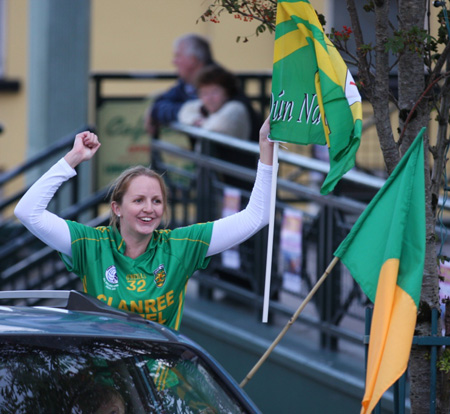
(131, 264)
(217, 108)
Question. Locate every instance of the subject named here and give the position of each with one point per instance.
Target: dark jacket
(166, 106)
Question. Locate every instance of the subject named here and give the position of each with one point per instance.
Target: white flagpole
(273, 196)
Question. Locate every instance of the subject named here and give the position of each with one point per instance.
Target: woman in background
(218, 108)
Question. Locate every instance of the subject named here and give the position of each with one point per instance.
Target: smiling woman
(142, 193)
(132, 264)
(139, 207)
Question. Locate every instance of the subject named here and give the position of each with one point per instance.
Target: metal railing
(197, 192)
(14, 239)
(433, 344)
(322, 231)
(256, 84)
(197, 182)
(340, 298)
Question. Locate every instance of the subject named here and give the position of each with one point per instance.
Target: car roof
(73, 313)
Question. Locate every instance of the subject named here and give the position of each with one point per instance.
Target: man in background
(192, 52)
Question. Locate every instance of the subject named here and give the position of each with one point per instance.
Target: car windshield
(87, 375)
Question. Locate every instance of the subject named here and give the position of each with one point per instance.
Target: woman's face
(142, 207)
(212, 97)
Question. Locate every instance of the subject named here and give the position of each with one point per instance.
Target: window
(339, 17)
(64, 374)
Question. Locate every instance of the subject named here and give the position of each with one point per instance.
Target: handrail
(43, 155)
(167, 74)
(263, 77)
(244, 172)
(321, 227)
(69, 213)
(203, 187)
(299, 160)
(307, 163)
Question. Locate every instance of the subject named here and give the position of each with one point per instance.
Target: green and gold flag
(314, 97)
(385, 254)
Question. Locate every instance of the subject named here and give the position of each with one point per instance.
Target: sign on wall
(125, 143)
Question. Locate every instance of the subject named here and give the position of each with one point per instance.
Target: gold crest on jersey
(160, 275)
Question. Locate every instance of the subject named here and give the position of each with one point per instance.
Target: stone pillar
(59, 35)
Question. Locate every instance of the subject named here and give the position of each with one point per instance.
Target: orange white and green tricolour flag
(314, 97)
(385, 254)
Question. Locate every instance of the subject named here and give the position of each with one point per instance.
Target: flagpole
(273, 196)
(289, 324)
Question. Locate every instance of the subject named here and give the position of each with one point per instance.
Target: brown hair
(122, 182)
(216, 75)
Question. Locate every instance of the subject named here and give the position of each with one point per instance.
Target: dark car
(75, 354)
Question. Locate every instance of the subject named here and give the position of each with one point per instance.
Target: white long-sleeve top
(54, 231)
(231, 119)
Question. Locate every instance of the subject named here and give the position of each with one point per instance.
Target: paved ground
(300, 338)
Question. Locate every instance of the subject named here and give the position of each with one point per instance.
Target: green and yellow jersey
(154, 284)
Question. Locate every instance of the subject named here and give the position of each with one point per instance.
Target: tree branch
(441, 61)
(365, 75)
(422, 96)
(441, 143)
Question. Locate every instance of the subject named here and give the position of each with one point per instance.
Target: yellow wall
(138, 35)
(13, 105)
(132, 35)
(140, 38)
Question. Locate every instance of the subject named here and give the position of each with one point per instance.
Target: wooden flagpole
(273, 196)
(289, 324)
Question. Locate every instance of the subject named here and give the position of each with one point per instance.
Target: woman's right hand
(85, 146)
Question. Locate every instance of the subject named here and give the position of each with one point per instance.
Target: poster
(444, 281)
(290, 260)
(231, 204)
(444, 290)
